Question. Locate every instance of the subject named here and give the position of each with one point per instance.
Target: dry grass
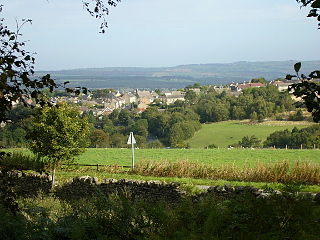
(299, 172)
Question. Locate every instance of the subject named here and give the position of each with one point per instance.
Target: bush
(155, 144)
(21, 161)
(249, 142)
(298, 116)
(211, 146)
(209, 216)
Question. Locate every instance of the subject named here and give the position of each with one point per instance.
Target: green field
(217, 157)
(226, 133)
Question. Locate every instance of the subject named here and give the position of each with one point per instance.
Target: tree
(315, 8)
(17, 79)
(99, 139)
(259, 80)
(58, 134)
(249, 142)
(191, 97)
(307, 90)
(139, 127)
(279, 139)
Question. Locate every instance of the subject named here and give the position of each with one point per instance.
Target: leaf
(297, 67)
(316, 4)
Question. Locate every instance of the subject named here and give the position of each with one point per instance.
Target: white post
(132, 141)
(132, 150)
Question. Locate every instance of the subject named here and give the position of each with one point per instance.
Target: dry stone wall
(29, 185)
(152, 191)
(26, 185)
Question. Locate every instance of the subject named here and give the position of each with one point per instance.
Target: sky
(161, 33)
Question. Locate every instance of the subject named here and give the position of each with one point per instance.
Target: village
(140, 99)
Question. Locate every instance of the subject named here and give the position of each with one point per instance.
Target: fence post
(97, 167)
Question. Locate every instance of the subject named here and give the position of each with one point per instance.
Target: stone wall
(26, 185)
(152, 191)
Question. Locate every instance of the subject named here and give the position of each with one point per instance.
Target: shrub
(211, 146)
(155, 144)
(21, 161)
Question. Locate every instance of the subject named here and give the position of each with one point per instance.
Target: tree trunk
(53, 177)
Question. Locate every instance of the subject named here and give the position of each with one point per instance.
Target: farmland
(226, 133)
(216, 157)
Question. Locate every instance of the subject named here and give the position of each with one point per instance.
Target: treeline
(306, 138)
(253, 103)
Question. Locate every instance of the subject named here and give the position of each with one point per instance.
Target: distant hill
(178, 76)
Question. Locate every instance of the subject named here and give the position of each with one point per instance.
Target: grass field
(217, 157)
(226, 133)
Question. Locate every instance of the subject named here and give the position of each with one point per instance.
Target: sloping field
(226, 133)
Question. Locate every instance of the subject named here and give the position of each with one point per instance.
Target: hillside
(226, 133)
(178, 76)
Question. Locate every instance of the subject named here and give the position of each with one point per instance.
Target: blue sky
(156, 33)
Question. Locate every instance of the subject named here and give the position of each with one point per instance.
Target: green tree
(118, 140)
(99, 139)
(249, 142)
(279, 139)
(190, 97)
(139, 127)
(58, 134)
(259, 80)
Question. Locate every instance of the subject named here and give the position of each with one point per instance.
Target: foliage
(58, 134)
(298, 116)
(259, 80)
(14, 132)
(155, 144)
(211, 146)
(307, 137)
(22, 161)
(99, 10)
(315, 6)
(250, 142)
(12, 226)
(17, 80)
(210, 216)
(100, 139)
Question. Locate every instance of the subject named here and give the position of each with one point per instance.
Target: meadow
(213, 157)
(224, 134)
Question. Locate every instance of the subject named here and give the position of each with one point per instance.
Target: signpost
(132, 141)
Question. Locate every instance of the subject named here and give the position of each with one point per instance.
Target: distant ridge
(178, 76)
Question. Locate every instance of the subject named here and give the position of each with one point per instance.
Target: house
(114, 103)
(146, 97)
(129, 98)
(281, 85)
(239, 87)
(170, 99)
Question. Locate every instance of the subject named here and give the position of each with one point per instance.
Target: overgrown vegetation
(283, 172)
(286, 216)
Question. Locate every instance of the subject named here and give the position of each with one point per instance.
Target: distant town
(104, 101)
